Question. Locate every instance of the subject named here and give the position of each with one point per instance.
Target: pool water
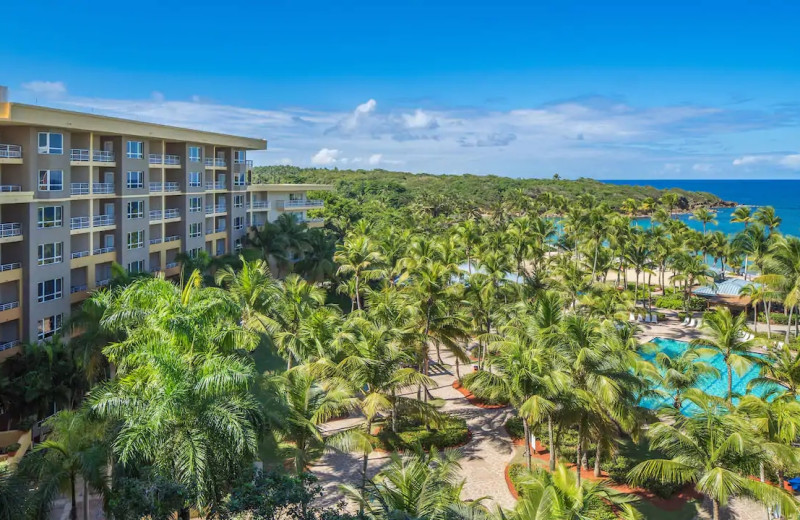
(709, 384)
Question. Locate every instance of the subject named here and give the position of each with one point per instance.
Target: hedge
(775, 317)
(451, 432)
(675, 303)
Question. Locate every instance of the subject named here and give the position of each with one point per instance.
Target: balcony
(219, 208)
(78, 288)
(258, 205)
(303, 203)
(171, 186)
(156, 187)
(161, 159)
(10, 230)
(103, 282)
(8, 306)
(170, 265)
(155, 268)
(102, 220)
(103, 250)
(82, 155)
(103, 187)
(10, 154)
(80, 223)
(215, 186)
(9, 344)
(79, 188)
(79, 254)
(172, 238)
(172, 213)
(156, 214)
(154, 241)
(215, 163)
(8, 188)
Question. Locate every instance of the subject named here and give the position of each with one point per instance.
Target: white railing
(170, 265)
(79, 223)
(78, 288)
(156, 214)
(171, 186)
(302, 203)
(10, 187)
(312, 220)
(220, 208)
(155, 241)
(79, 254)
(215, 185)
(9, 344)
(8, 306)
(10, 230)
(103, 250)
(155, 158)
(219, 230)
(209, 210)
(156, 186)
(172, 238)
(10, 151)
(172, 159)
(79, 188)
(215, 162)
(103, 220)
(103, 282)
(11, 266)
(259, 205)
(172, 213)
(103, 156)
(103, 187)
(79, 155)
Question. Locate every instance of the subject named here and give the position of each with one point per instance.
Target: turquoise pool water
(710, 384)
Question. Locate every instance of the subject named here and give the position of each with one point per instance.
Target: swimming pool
(709, 384)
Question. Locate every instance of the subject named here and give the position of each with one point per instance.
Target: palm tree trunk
(551, 444)
(767, 305)
(528, 447)
(358, 298)
(745, 267)
(73, 511)
(597, 454)
(714, 509)
(730, 382)
(788, 325)
(394, 411)
(578, 456)
(755, 317)
(85, 500)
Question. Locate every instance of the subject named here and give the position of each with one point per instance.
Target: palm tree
(255, 291)
(469, 237)
(743, 215)
(714, 450)
(88, 337)
(783, 263)
(705, 217)
(780, 369)
(359, 257)
(282, 241)
(316, 264)
(679, 374)
(299, 300)
(669, 200)
(778, 424)
(766, 216)
(724, 336)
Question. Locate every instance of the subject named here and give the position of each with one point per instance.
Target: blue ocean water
(709, 384)
(783, 195)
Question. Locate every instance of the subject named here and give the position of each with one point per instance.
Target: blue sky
(599, 89)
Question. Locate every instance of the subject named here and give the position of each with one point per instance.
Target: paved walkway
(485, 456)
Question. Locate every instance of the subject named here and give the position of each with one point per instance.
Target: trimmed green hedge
(677, 303)
(774, 317)
(451, 432)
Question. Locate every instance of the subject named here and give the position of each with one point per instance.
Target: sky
(610, 90)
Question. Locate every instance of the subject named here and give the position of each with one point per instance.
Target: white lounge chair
(639, 318)
(654, 318)
(699, 322)
(631, 317)
(685, 320)
(693, 322)
(647, 318)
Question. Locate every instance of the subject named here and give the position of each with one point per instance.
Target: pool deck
(670, 328)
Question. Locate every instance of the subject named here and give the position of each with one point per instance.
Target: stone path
(485, 457)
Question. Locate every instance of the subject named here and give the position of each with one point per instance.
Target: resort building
(79, 191)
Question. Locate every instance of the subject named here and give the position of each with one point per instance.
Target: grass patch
(451, 431)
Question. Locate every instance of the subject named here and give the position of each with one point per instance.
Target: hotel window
(50, 216)
(194, 179)
(237, 244)
(135, 180)
(193, 253)
(49, 326)
(51, 180)
(195, 230)
(51, 143)
(135, 150)
(195, 204)
(136, 267)
(135, 239)
(238, 180)
(238, 223)
(50, 253)
(136, 209)
(239, 156)
(194, 153)
(50, 290)
(238, 201)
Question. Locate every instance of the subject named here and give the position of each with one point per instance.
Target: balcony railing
(170, 265)
(103, 156)
(78, 288)
(9, 344)
(172, 238)
(172, 159)
(215, 162)
(259, 204)
(10, 267)
(219, 230)
(103, 282)
(156, 186)
(79, 254)
(219, 208)
(10, 151)
(215, 185)
(79, 154)
(79, 188)
(8, 306)
(154, 241)
(10, 187)
(303, 203)
(155, 158)
(13, 229)
(312, 220)
(83, 155)
(156, 214)
(103, 220)
(103, 187)
(172, 213)
(79, 223)
(103, 250)
(155, 268)
(171, 186)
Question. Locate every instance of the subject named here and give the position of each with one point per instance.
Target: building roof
(21, 114)
(729, 287)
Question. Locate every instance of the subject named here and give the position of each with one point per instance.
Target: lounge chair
(647, 318)
(654, 318)
(685, 320)
(639, 317)
(693, 323)
(631, 317)
(699, 322)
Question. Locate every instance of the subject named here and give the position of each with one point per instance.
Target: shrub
(452, 431)
(515, 428)
(676, 303)
(11, 448)
(774, 317)
(618, 468)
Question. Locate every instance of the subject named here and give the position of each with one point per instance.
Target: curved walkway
(485, 456)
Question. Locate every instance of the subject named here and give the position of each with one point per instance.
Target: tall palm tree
(298, 301)
(783, 263)
(766, 216)
(705, 217)
(88, 336)
(360, 257)
(778, 424)
(780, 369)
(669, 200)
(715, 451)
(254, 290)
(679, 374)
(724, 335)
(743, 215)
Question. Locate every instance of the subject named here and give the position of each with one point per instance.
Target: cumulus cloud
(325, 157)
(789, 161)
(419, 119)
(46, 88)
(375, 159)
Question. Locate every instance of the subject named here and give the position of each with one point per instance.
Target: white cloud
(375, 159)
(325, 157)
(790, 161)
(157, 96)
(46, 88)
(285, 161)
(702, 167)
(419, 119)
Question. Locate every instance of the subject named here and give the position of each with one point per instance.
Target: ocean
(783, 195)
